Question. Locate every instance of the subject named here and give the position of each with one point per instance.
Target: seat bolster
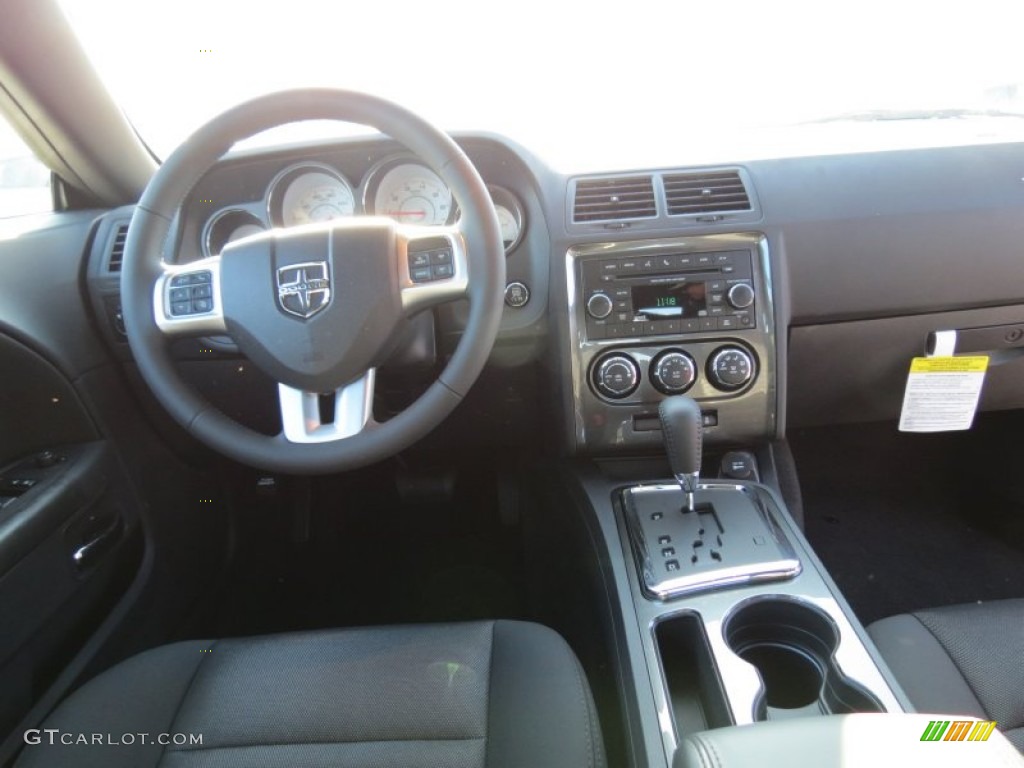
(139, 696)
(923, 667)
(541, 712)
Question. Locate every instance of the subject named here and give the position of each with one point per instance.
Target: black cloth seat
(962, 659)
(499, 693)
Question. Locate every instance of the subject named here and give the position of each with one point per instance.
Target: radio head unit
(682, 293)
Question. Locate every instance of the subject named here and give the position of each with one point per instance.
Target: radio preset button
(599, 306)
(741, 295)
(673, 372)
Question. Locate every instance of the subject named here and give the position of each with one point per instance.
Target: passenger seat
(961, 659)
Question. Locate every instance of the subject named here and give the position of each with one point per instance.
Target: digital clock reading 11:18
(666, 301)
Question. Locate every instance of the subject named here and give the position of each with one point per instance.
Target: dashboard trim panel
(750, 414)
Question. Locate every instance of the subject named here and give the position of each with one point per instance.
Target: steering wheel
(318, 307)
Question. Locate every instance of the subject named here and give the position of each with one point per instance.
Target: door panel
(69, 526)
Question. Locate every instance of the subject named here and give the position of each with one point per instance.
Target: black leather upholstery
(962, 659)
(483, 694)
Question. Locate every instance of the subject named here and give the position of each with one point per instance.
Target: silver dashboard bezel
(583, 351)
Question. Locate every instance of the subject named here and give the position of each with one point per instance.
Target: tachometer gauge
(510, 216)
(228, 226)
(412, 194)
(308, 193)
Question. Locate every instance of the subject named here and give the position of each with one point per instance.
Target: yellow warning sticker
(942, 393)
(976, 364)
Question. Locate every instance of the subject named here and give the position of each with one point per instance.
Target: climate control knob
(740, 296)
(616, 376)
(599, 306)
(730, 368)
(673, 372)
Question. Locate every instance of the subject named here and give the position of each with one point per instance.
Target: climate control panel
(709, 368)
(655, 318)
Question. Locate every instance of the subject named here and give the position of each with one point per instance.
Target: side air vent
(624, 197)
(705, 192)
(117, 249)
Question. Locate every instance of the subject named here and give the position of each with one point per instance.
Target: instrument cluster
(399, 187)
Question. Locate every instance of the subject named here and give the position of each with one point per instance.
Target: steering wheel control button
(673, 372)
(599, 306)
(516, 294)
(730, 368)
(204, 277)
(429, 265)
(740, 296)
(616, 376)
(190, 294)
(420, 274)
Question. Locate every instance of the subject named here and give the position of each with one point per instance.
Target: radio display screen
(681, 299)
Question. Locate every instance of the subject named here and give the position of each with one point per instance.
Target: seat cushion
(961, 659)
(499, 693)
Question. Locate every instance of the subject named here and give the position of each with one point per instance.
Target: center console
(725, 615)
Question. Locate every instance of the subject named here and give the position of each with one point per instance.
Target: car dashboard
(780, 292)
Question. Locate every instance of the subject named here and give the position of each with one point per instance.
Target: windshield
(577, 82)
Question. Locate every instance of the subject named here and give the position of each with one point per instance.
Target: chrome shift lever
(682, 429)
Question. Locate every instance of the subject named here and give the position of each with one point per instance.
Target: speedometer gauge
(309, 193)
(413, 194)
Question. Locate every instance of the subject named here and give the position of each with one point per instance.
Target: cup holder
(792, 645)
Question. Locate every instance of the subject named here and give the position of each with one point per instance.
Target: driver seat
(486, 694)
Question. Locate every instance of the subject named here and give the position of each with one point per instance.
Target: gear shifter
(681, 426)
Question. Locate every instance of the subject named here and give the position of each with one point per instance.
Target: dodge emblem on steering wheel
(304, 289)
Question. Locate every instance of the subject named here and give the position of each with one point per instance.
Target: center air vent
(623, 197)
(117, 249)
(705, 192)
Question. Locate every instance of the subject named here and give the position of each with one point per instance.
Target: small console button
(516, 294)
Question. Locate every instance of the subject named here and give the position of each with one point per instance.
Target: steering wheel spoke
(432, 265)
(348, 411)
(187, 299)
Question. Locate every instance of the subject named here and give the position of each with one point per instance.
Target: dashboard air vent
(624, 197)
(117, 249)
(705, 192)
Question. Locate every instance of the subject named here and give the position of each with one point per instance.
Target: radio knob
(617, 376)
(740, 296)
(673, 372)
(599, 306)
(730, 368)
